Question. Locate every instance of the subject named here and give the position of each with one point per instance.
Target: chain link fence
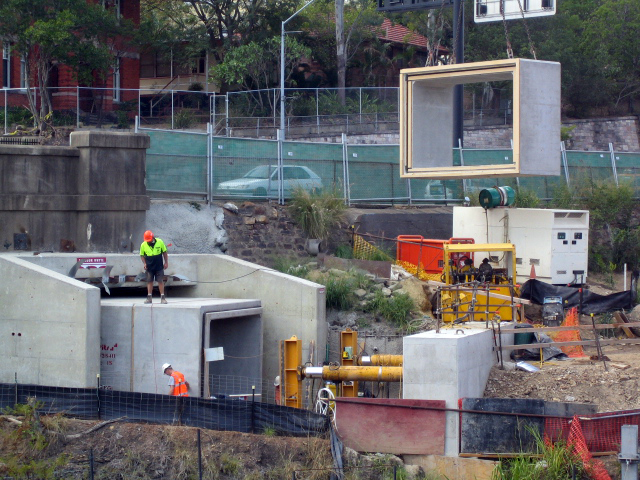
(190, 164)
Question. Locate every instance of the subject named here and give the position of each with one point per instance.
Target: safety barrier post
(91, 463)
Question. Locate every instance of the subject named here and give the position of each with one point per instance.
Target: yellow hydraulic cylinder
(354, 373)
(384, 360)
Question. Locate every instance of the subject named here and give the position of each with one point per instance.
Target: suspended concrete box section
(426, 118)
(204, 338)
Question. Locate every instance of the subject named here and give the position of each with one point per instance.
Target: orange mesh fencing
(569, 335)
(600, 431)
(595, 468)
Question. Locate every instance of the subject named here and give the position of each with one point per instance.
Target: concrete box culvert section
(51, 323)
(137, 339)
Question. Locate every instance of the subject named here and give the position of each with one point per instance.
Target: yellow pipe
(353, 373)
(386, 360)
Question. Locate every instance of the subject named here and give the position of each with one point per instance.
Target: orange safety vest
(180, 385)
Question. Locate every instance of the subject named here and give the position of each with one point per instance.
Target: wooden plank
(592, 343)
(602, 326)
(622, 318)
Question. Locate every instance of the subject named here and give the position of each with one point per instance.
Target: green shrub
(563, 197)
(526, 198)
(317, 214)
(554, 462)
(344, 251)
(184, 119)
(394, 309)
(290, 266)
(339, 293)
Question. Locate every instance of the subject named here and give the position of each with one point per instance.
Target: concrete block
(447, 366)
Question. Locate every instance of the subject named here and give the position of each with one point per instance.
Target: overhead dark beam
(405, 5)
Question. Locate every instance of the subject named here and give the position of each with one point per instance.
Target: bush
(344, 251)
(184, 119)
(339, 293)
(526, 198)
(317, 214)
(395, 309)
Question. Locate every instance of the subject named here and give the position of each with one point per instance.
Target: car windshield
(263, 171)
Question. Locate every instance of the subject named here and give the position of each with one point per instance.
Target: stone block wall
(260, 233)
(590, 135)
(88, 197)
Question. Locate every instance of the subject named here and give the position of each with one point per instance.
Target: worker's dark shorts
(157, 276)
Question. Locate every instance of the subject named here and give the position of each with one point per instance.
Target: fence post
(199, 456)
(91, 463)
(565, 164)
(612, 154)
(98, 394)
(318, 111)
(409, 190)
(464, 180)
(171, 109)
(226, 124)
(136, 124)
(253, 399)
(360, 102)
(77, 106)
(345, 169)
(209, 163)
(279, 167)
(6, 115)
(139, 106)
(15, 388)
(628, 455)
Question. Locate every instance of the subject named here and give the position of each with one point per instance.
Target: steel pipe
(353, 373)
(384, 360)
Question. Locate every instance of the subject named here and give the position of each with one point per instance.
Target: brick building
(63, 86)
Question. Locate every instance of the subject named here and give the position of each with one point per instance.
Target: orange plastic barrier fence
(569, 335)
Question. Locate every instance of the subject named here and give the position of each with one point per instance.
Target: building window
(116, 80)
(115, 5)
(6, 65)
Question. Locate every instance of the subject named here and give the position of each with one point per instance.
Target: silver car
(263, 181)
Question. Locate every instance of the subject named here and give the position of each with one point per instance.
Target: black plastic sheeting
(535, 290)
(215, 414)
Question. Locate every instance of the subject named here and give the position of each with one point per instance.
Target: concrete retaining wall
(90, 196)
(49, 326)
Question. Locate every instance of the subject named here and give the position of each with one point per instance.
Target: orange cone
(532, 275)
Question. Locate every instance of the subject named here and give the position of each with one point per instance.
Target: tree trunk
(341, 51)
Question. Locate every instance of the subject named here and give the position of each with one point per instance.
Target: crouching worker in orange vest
(178, 386)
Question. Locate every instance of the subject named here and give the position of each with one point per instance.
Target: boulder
(418, 291)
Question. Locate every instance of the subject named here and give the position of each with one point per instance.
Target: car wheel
(260, 192)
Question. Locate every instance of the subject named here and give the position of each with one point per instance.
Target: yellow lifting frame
(479, 248)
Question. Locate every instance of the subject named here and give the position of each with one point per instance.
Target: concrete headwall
(290, 305)
(49, 326)
(90, 196)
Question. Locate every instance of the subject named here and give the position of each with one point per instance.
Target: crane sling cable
(526, 28)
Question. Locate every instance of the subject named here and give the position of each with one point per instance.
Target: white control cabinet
(555, 242)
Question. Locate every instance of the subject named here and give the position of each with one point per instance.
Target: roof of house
(394, 32)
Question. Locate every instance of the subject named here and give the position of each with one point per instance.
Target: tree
(255, 66)
(83, 36)
(221, 24)
(612, 35)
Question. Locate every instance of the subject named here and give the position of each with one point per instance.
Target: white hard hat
(276, 382)
(165, 366)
